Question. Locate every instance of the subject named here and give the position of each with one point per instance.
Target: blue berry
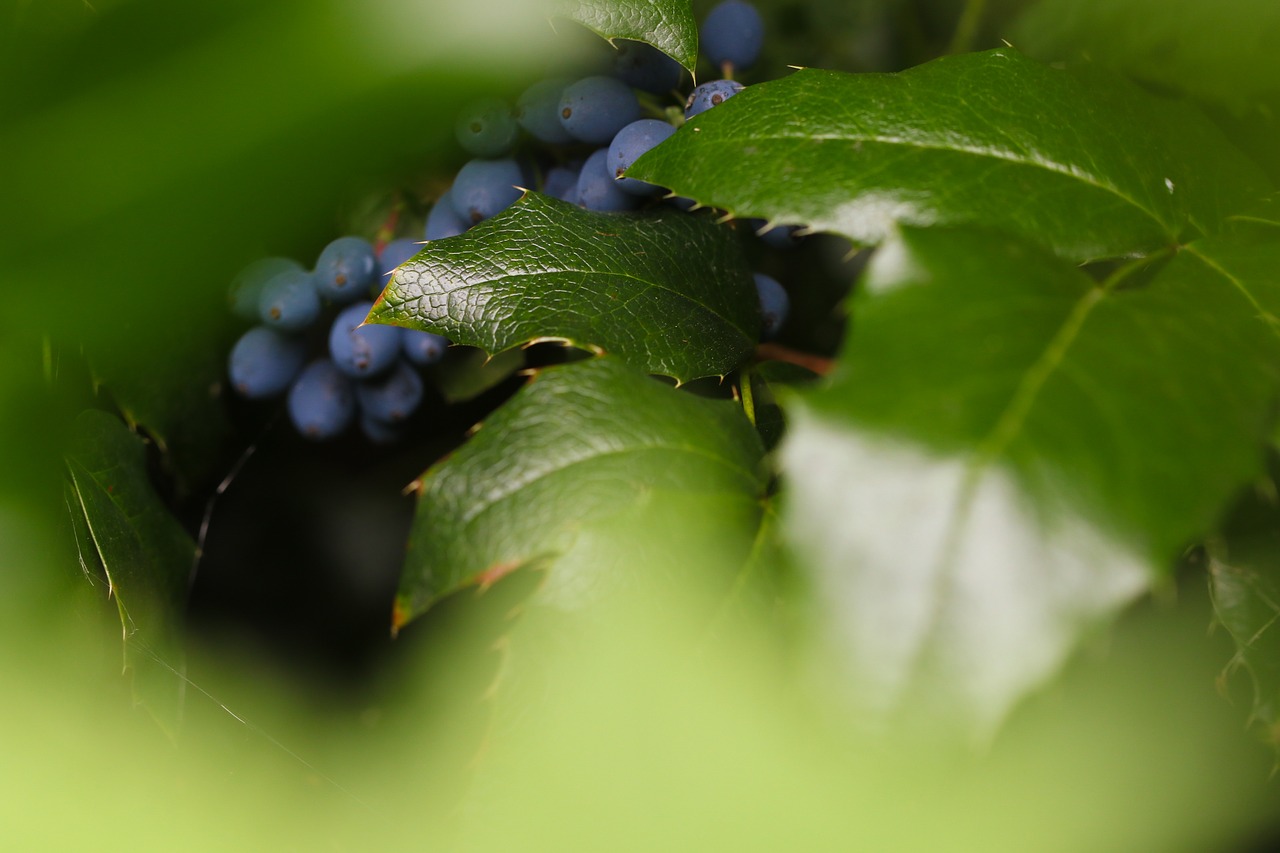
(710, 95)
(774, 305)
(595, 108)
(391, 398)
(538, 111)
(562, 182)
(645, 67)
(263, 362)
(394, 254)
(632, 141)
(733, 33)
(443, 221)
(362, 351)
(422, 348)
(485, 188)
(597, 189)
(289, 301)
(486, 128)
(346, 269)
(380, 432)
(246, 287)
(321, 401)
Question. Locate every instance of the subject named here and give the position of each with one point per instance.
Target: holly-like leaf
(1010, 452)
(1080, 162)
(572, 473)
(1224, 51)
(665, 291)
(124, 531)
(668, 25)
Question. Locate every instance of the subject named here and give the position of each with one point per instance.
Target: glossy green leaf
(571, 473)
(1227, 51)
(124, 531)
(1010, 452)
(1244, 576)
(1079, 162)
(668, 25)
(667, 292)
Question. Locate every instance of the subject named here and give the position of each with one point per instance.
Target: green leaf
(1010, 452)
(667, 292)
(466, 372)
(1244, 577)
(124, 531)
(668, 25)
(174, 397)
(1224, 51)
(1079, 162)
(573, 472)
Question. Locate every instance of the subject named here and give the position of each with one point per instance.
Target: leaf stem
(967, 26)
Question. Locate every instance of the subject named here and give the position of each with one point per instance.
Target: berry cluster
(588, 131)
(367, 371)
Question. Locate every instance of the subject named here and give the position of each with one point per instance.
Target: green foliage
(1087, 165)
(582, 445)
(666, 292)
(666, 24)
(1057, 389)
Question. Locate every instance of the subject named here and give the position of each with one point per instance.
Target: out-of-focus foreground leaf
(568, 471)
(1244, 576)
(1226, 51)
(1010, 452)
(1080, 162)
(127, 537)
(666, 24)
(664, 291)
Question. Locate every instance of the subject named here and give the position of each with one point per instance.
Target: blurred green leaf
(1227, 51)
(576, 463)
(667, 292)
(467, 372)
(124, 531)
(668, 25)
(1244, 577)
(1080, 162)
(1010, 452)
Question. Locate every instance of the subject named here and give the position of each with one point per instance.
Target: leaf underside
(1011, 451)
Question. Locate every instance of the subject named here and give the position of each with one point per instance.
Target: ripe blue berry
(595, 108)
(321, 401)
(484, 188)
(538, 111)
(391, 398)
(289, 301)
(597, 189)
(486, 128)
(380, 432)
(632, 141)
(422, 348)
(263, 362)
(733, 33)
(246, 287)
(362, 351)
(346, 269)
(710, 95)
(562, 182)
(774, 305)
(394, 254)
(645, 67)
(443, 221)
